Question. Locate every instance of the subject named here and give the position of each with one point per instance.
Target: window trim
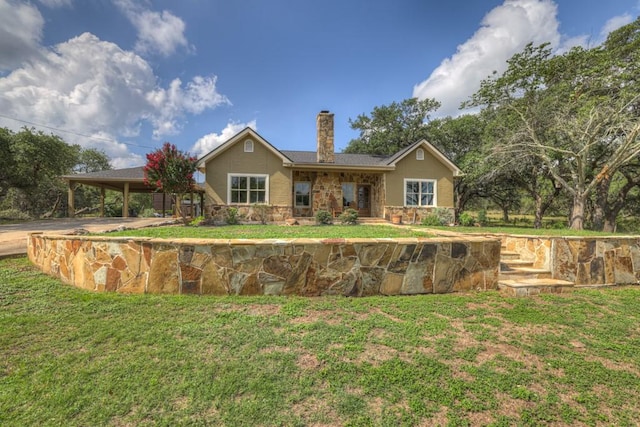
(295, 199)
(421, 180)
(420, 154)
(248, 146)
(248, 175)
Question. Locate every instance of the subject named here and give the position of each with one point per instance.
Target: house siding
(260, 161)
(429, 168)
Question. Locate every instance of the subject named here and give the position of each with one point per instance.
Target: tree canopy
(31, 164)
(390, 128)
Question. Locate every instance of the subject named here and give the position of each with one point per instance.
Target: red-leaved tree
(170, 170)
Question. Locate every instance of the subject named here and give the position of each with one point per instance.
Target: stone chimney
(324, 124)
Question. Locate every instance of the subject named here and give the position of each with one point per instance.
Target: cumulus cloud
(20, 33)
(93, 87)
(615, 23)
(504, 31)
(158, 32)
(213, 140)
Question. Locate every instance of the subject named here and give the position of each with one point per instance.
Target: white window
(247, 188)
(419, 154)
(419, 192)
(302, 192)
(248, 146)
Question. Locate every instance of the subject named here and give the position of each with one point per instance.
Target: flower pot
(396, 219)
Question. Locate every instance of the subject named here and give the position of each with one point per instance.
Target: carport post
(125, 201)
(102, 201)
(71, 210)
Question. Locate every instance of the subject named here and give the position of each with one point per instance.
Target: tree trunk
(537, 222)
(505, 214)
(577, 212)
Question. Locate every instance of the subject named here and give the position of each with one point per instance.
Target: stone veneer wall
(308, 267)
(219, 213)
(409, 214)
(582, 260)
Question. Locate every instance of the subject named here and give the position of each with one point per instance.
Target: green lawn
(73, 358)
(275, 232)
(525, 231)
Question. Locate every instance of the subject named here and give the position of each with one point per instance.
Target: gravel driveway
(13, 237)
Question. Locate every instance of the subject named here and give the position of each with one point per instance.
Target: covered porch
(336, 191)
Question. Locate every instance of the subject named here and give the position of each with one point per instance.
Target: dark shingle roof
(341, 159)
(129, 174)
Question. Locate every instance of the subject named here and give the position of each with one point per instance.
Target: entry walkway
(13, 237)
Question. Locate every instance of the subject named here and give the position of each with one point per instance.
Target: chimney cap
(324, 111)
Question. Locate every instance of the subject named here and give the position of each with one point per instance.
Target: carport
(125, 181)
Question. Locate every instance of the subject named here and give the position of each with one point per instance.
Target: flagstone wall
(308, 267)
(582, 260)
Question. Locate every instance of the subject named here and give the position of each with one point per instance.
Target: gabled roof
(309, 159)
(343, 159)
(127, 174)
(245, 133)
(394, 159)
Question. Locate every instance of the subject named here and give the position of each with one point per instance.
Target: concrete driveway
(13, 237)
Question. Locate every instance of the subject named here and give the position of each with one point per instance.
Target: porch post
(102, 201)
(71, 210)
(202, 204)
(125, 201)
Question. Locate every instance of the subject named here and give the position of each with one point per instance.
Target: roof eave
(329, 166)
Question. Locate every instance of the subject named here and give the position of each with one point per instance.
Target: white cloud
(20, 33)
(198, 95)
(211, 141)
(93, 87)
(615, 23)
(504, 31)
(52, 4)
(158, 32)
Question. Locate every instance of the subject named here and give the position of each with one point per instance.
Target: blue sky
(124, 76)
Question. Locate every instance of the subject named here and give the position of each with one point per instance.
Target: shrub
(467, 220)
(231, 216)
(324, 218)
(196, 221)
(438, 216)
(261, 212)
(482, 217)
(14, 214)
(148, 213)
(349, 217)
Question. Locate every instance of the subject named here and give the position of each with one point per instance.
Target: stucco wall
(429, 168)
(260, 161)
(309, 267)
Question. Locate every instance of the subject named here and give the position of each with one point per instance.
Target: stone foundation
(307, 267)
(410, 215)
(251, 213)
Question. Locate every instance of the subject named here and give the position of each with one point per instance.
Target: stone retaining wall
(582, 260)
(308, 267)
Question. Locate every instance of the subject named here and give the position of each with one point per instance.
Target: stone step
(525, 273)
(507, 255)
(527, 287)
(514, 263)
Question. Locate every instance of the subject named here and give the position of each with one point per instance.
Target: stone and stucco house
(247, 170)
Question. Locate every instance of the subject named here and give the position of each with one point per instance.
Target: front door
(364, 200)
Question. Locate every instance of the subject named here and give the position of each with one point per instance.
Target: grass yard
(271, 231)
(74, 358)
(549, 232)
